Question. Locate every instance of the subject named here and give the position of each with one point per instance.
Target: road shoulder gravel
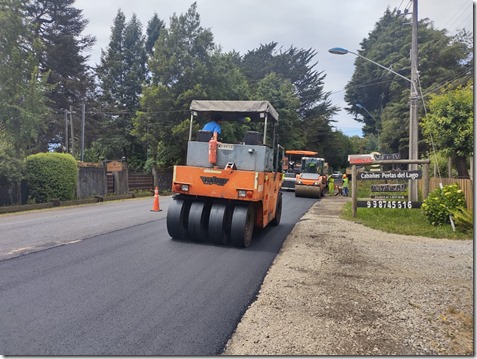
(340, 288)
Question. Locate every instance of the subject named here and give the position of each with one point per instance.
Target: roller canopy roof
(301, 152)
(233, 109)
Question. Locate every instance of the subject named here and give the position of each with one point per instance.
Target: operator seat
(252, 138)
(203, 136)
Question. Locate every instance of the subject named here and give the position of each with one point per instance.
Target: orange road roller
(226, 190)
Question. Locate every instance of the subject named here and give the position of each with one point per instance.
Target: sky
(243, 25)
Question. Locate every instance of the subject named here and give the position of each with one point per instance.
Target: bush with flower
(441, 202)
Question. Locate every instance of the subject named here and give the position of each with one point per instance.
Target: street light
(364, 108)
(341, 51)
(413, 149)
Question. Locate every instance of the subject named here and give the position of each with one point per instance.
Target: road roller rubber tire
(219, 223)
(197, 228)
(278, 211)
(177, 217)
(241, 229)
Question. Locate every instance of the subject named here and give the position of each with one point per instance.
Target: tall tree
(135, 63)
(111, 70)
(23, 90)
(153, 31)
(298, 67)
(310, 128)
(258, 63)
(60, 25)
(181, 68)
(337, 154)
(121, 73)
(182, 53)
(280, 93)
(226, 80)
(154, 28)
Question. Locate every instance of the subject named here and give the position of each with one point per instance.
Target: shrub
(51, 176)
(463, 219)
(438, 205)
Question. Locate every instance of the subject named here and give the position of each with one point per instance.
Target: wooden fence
(466, 185)
(139, 181)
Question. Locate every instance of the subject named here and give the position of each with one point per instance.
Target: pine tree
(59, 25)
(111, 70)
(135, 63)
(154, 28)
(181, 70)
(121, 74)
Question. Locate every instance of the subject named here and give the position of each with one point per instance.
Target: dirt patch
(339, 288)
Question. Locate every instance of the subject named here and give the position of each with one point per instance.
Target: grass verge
(401, 221)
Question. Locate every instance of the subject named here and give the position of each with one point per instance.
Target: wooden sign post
(391, 175)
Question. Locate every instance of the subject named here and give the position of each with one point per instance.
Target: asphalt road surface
(106, 279)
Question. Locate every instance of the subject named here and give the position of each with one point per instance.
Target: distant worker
(331, 185)
(215, 125)
(345, 185)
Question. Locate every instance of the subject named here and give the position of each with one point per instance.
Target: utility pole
(83, 106)
(413, 123)
(72, 132)
(67, 146)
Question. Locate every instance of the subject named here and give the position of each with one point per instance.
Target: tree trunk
(461, 166)
(155, 176)
(18, 194)
(449, 167)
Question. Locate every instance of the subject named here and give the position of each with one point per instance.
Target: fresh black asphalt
(134, 291)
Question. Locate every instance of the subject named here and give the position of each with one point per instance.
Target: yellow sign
(114, 166)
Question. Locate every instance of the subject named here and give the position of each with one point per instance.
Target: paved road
(22, 233)
(122, 286)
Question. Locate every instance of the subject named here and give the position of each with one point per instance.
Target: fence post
(354, 190)
(425, 180)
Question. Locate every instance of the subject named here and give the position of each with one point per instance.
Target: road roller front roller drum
(307, 191)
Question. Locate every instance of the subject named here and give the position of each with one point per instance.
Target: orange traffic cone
(155, 206)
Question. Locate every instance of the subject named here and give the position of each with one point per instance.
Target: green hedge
(51, 176)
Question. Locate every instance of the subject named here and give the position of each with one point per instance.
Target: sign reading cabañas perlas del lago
(392, 175)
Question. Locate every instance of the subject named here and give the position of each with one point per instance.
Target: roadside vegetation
(402, 221)
(136, 99)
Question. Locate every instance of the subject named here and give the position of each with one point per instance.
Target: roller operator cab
(311, 180)
(225, 190)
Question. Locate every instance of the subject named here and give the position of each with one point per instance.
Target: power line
(458, 14)
(399, 7)
(447, 82)
(466, 21)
